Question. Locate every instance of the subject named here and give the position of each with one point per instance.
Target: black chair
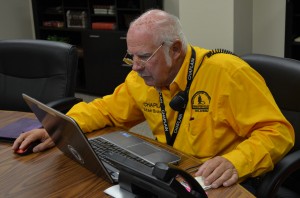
(45, 70)
(282, 76)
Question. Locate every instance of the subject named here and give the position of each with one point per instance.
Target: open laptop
(70, 139)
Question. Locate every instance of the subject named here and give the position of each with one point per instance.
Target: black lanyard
(171, 139)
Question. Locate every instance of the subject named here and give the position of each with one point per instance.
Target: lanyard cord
(171, 139)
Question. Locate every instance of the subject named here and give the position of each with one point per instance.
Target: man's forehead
(140, 38)
(139, 48)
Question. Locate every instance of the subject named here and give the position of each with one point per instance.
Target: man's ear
(176, 49)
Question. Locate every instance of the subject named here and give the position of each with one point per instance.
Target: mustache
(141, 74)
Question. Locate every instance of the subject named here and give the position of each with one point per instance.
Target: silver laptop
(122, 146)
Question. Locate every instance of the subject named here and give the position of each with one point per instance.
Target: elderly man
(209, 104)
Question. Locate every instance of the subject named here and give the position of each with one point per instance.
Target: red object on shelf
(103, 26)
(57, 24)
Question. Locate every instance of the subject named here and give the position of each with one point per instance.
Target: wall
(219, 24)
(172, 6)
(208, 23)
(242, 33)
(16, 19)
(242, 26)
(269, 27)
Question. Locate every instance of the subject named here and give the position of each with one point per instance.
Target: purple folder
(11, 131)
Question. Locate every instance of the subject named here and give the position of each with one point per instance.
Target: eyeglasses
(128, 59)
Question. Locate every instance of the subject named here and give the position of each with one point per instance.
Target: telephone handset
(168, 173)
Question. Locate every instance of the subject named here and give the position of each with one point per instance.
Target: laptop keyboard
(102, 148)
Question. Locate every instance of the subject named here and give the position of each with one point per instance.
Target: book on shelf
(76, 19)
(102, 9)
(103, 26)
(56, 24)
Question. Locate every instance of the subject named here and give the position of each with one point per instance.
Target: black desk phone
(159, 181)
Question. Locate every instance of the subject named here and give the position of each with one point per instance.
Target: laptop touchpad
(142, 149)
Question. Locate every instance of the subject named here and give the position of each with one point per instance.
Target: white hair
(165, 28)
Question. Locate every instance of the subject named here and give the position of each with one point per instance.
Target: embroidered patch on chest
(200, 101)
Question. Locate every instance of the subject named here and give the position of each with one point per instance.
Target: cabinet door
(103, 54)
(292, 29)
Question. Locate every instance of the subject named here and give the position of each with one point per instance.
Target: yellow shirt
(230, 113)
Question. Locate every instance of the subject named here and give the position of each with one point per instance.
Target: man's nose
(137, 65)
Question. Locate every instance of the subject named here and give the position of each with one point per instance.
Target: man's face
(149, 59)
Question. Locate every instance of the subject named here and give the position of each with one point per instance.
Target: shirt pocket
(199, 123)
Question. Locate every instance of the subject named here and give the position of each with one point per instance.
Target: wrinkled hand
(218, 171)
(26, 138)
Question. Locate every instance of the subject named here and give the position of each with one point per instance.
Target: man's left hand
(218, 171)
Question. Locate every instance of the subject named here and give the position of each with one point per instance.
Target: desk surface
(52, 174)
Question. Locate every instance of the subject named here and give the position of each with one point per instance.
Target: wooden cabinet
(292, 29)
(98, 29)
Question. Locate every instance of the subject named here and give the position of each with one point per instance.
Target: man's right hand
(24, 140)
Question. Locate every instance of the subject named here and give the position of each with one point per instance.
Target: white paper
(200, 180)
(117, 192)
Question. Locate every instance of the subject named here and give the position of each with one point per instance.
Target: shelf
(56, 10)
(63, 29)
(296, 43)
(75, 8)
(54, 13)
(100, 50)
(129, 9)
(103, 15)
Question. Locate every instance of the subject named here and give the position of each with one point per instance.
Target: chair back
(45, 70)
(282, 76)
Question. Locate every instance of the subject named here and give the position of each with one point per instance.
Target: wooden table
(52, 174)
